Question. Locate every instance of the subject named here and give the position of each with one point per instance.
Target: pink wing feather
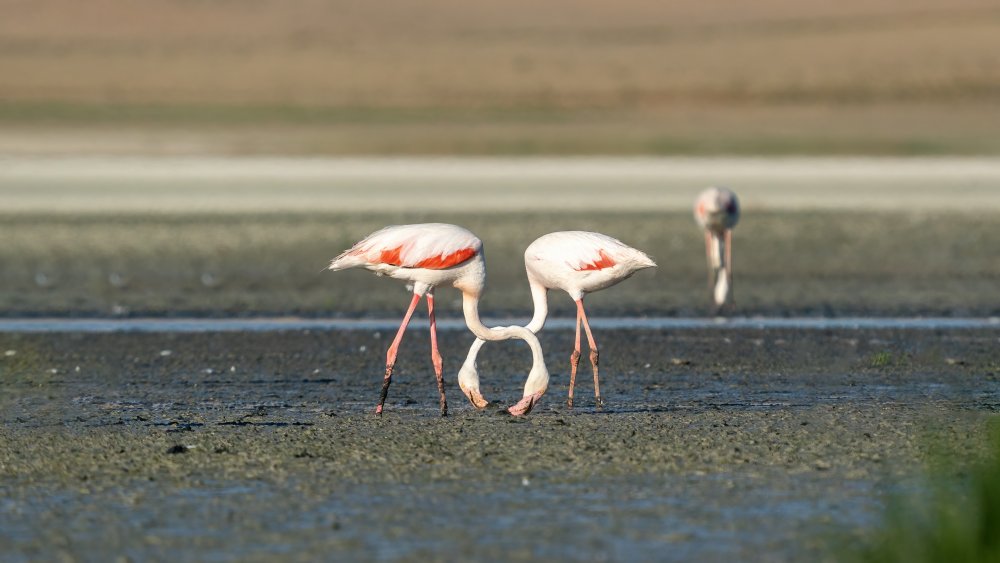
(433, 246)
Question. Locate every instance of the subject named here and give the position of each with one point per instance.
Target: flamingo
(428, 255)
(577, 262)
(717, 210)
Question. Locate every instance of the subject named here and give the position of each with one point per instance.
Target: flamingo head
(717, 209)
(534, 388)
(468, 382)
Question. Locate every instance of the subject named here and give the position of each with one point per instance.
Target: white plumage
(577, 262)
(581, 262)
(414, 244)
(717, 211)
(428, 255)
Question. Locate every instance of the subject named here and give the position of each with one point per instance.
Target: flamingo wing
(584, 251)
(433, 246)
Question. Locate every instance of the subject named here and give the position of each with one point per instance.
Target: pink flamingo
(717, 210)
(432, 254)
(577, 262)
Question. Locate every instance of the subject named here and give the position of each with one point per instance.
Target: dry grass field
(448, 77)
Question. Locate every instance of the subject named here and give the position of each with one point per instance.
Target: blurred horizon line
(463, 185)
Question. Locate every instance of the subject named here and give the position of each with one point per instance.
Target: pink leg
(435, 355)
(574, 361)
(390, 355)
(593, 352)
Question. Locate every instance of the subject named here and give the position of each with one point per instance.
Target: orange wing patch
(442, 262)
(391, 256)
(605, 261)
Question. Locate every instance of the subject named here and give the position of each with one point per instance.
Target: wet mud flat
(716, 443)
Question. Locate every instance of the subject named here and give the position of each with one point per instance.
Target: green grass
(881, 359)
(958, 520)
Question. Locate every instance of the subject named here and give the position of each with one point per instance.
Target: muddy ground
(715, 444)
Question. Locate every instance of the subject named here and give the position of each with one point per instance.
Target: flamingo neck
(538, 378)
(539, 296)
(716, 252)
(470, 307)
(720, 268)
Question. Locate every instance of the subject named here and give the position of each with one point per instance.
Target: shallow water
(161, 325)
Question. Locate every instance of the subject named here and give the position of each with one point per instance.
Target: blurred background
(188, 156)
(445, 77)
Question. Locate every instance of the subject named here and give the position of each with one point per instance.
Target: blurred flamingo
(717, 210)
(428, 255)
(577, 262)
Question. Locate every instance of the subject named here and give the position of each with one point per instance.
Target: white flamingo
(717, 210)
(432, 254)
(577, 262)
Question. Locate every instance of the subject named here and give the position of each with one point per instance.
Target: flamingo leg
(390, 355)
(435, 355)
(593, 352)
(729, 262)
(574, 360)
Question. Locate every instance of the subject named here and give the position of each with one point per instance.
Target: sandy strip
(79, 185)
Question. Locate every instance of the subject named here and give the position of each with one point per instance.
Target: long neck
(539, 296)
(470, 306)
(539, 377)
(716, 251)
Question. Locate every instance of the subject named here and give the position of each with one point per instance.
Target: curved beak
(526, 403)
(475, 397)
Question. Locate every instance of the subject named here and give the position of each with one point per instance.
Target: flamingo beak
(468, 379)
(525, 405)
(475, 397)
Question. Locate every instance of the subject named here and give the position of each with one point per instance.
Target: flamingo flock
(428, 255)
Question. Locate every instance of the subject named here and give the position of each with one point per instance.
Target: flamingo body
(428, 255)
(717, 211)
(581, 262)
(577, 262)
(425, 255)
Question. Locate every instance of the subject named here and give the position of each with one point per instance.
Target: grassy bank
(213, 264)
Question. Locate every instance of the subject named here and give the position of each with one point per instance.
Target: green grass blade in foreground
(954, 519)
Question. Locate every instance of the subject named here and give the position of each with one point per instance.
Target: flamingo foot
(525, 405)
